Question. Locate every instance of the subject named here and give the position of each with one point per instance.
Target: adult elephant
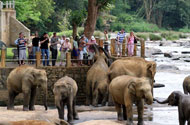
(26, 79)
(97, 80)
(125, 91)
(133, 66)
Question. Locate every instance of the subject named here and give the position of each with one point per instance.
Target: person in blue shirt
(120, 37)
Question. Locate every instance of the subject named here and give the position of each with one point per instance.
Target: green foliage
(154, 37)
(185, 30)
(170, 35)
(143, 27)
(141, 35)
(98, 34)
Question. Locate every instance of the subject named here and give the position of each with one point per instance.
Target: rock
(185, 52)
(166, 43)
(153, 51)
(176, 58)
(167, 67)
(157, 85)
(186, 43)
(169, 55)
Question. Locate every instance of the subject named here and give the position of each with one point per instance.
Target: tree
(94, 6)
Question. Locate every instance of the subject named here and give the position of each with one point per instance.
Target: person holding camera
(44, 40)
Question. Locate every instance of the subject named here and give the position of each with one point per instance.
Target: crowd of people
(80, 50)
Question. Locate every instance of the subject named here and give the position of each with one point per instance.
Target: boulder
(167, 67)
(169, 55)
(185, 52)
(152, 51)
(166, 43)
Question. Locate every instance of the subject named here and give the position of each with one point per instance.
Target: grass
(154, 37)
(170, 35)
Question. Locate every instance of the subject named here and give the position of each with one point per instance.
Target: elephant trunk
(149, 98)
(45, 97)
(162, 102)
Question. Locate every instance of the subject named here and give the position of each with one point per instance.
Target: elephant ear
(174, 99)
(132, 87)
(151, 66)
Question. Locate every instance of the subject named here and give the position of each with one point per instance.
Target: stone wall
(53, 74)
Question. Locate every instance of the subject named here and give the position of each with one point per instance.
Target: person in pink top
(66, 46)
(130, 44)
(90, 49)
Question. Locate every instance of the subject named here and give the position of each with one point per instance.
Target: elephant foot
(103, 103)
(95, 105)
(32, 108)
(140, 123)
(110, 104)
(119, 117)
(10, 108)
(71, 122)
(25, 109)
(76, 117)
(130, 123)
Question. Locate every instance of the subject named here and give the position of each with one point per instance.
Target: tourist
(35, 45)
(91, 49)
(44, 40)
(106, 40)
(53, 48)
(75, 48)
(66, 46)
(120, 37)
(62, 41)
(81, 49)
(130, 44)
(22, 48)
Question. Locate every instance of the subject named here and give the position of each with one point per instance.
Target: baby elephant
(181, 100)
(125, 91)
(65, 90)
(186, 85)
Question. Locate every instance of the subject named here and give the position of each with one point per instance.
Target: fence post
(71, 41)
(38, 59)
(142, 48)
(68, 59)
(3, 57)
(135, 49)
(112, 47)
(98, 40)
(101, 43)
(123, 47)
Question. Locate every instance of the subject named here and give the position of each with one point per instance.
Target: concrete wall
(53, 74)
(10, 27)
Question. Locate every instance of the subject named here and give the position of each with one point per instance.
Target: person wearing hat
(90, 49)
(66, 46)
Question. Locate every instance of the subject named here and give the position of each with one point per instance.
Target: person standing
(44, 40)
(54, 42)
(35, 45)
(75, 49)
(120, 37)
(106, 40)
(81, 49)
(22, 48)
(130, 44)
(62, 41)
(90, 49)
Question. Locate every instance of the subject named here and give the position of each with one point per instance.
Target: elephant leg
(26, 100)
(182, 122)
(88, 95)
(61, 110)
(105, 99)
(110, 100)
(140, 109)
(32, 99)
(95, 98)
(118, 109)
(75, 114)
(70, 110)
(12, 96)
(129, 114)
(124, 113)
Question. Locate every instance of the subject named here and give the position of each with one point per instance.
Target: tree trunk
(159, 20)
(91, 19)
(74, 30)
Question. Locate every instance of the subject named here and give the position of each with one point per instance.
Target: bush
(98, 34)
(181, 35)
(154, 37)
(170, 35)
(143, 27)
(144, 36)
(185, 30)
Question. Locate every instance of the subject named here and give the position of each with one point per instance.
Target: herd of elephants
(119, 81)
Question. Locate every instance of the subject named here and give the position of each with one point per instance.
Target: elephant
(186, 85)
(133, 66)
(177, 98)
(97, 80)
(26, 80)
(125, 91)
(65, 90)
